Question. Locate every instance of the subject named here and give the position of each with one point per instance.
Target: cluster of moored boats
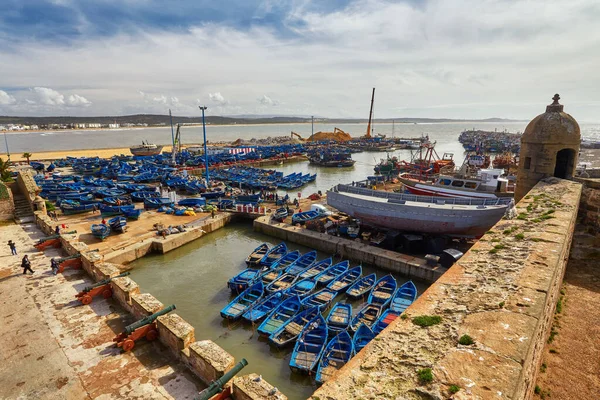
(262, 179)
(288, 295)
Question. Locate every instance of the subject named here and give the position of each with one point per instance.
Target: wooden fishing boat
(383, 291)
(286, 260)
(303, 217)
(289, 331)
(302, 263)
(77, 208)
(384, 320)
(366, 315)
(101, 231)
(273, 255)
(192, 202)
(361, 287)
(404, 297)
(339, 318)
(316, 269)
(279, 316)
(244, 279)
(132, 213)
(158, 202)
(302, 288)
(107, 210)
(243, 302)
(332, 272)
(118, 224)
(281, 283)
(117, 201)
(263, 308)
(140, 196)
(309, 346)
(362, 337)
(270, 275)
(345, 280)
(280, 214)
(321, 299)
(337, 353)
(254, 258)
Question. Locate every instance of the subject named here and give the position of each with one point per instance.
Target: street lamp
(205, 147)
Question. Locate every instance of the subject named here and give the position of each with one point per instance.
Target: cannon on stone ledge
(217, 386)
(103, 287)
(73, 261)
(145, 327)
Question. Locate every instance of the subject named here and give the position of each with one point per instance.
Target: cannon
(145, 327)
(52, 240)
(103, 287)
(217, 386)
(70, 261)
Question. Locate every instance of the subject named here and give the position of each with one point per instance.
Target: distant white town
(22, 127)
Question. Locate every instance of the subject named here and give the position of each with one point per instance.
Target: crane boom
(368, 135)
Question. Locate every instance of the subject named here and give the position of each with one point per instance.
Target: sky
(466, 59)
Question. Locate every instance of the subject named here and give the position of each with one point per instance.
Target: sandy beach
(53, 155)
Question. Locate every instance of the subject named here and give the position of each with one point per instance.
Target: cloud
(266, 100)
(218, 98)
(48, 97)
(75, 100)
(6, 99)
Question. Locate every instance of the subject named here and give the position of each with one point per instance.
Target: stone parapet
(123, 291)
(175, 332)
(253, 387)
(208, 360)
(502, 294)
(144, 304)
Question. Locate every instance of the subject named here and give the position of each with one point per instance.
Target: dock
(413, 267)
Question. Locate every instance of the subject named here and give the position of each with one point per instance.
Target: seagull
(258, 379)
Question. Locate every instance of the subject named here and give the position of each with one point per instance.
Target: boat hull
(434, 218)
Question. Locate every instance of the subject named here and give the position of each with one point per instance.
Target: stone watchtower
(549, 147)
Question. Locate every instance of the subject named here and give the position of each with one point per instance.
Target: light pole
(312, 126)
(205, 147)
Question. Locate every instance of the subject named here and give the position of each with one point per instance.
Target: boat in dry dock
(427, 214)
(146, 149)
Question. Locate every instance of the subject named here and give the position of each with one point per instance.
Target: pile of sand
(337, 135)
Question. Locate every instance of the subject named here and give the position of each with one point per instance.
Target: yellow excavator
(292, 134)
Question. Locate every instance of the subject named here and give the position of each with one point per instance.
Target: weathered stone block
(252, 387)
(104, 270)
(175, 332)
(209, 361)
(144, 304)
(123, 291)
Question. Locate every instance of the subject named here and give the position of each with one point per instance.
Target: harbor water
(194, 278)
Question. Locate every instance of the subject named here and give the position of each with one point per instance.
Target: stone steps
(23, 213)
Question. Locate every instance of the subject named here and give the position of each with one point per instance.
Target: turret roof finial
(555, 106)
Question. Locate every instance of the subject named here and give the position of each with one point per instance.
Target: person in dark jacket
(26, 265)
(13, 247)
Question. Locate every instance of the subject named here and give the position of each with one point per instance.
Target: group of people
(25, 263)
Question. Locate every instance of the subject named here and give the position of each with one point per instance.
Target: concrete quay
(386, 260)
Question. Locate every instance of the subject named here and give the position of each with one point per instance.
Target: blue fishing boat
(309, 346)
(339, 317)
(361, 287)
(101, 231)
(264, 307)
(321, 299)
(404, 297)
(315, 269)
(362, 337)
(107, 210)
(270, 275)
(303, 217)
(302, 288)
(283, 313)
(282, 283)
(77, 208)
(248, 199)
(332, 272)
(118, 224)
(383, 291)
(193, 202)
(157, 202)
(366, 315)
(286, 260)
(289, 331)
(140, 196)
(243, 280)
(337, 353)
(280, 214)
(273, 255)
(345, 280)
(132, 213)
(254, 258)
(243, 302)
(302, 263)
(384, 320)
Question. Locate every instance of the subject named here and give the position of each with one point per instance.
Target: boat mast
(393, 125)
(368, 135)
(172, 136)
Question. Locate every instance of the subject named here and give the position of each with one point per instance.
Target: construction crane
(176, 145)
(368, 135)
(292, 134)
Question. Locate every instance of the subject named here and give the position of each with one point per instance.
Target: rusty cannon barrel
(148, 320)
(217, 386)
(104, 282)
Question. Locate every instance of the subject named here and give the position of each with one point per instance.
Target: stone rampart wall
(363, 253)
(7, 205)
(205, 359)
(502, 294)
(27, 186)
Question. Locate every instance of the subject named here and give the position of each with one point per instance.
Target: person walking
(13, 247)
(26, 265)
(57, 230)
(212, 212)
